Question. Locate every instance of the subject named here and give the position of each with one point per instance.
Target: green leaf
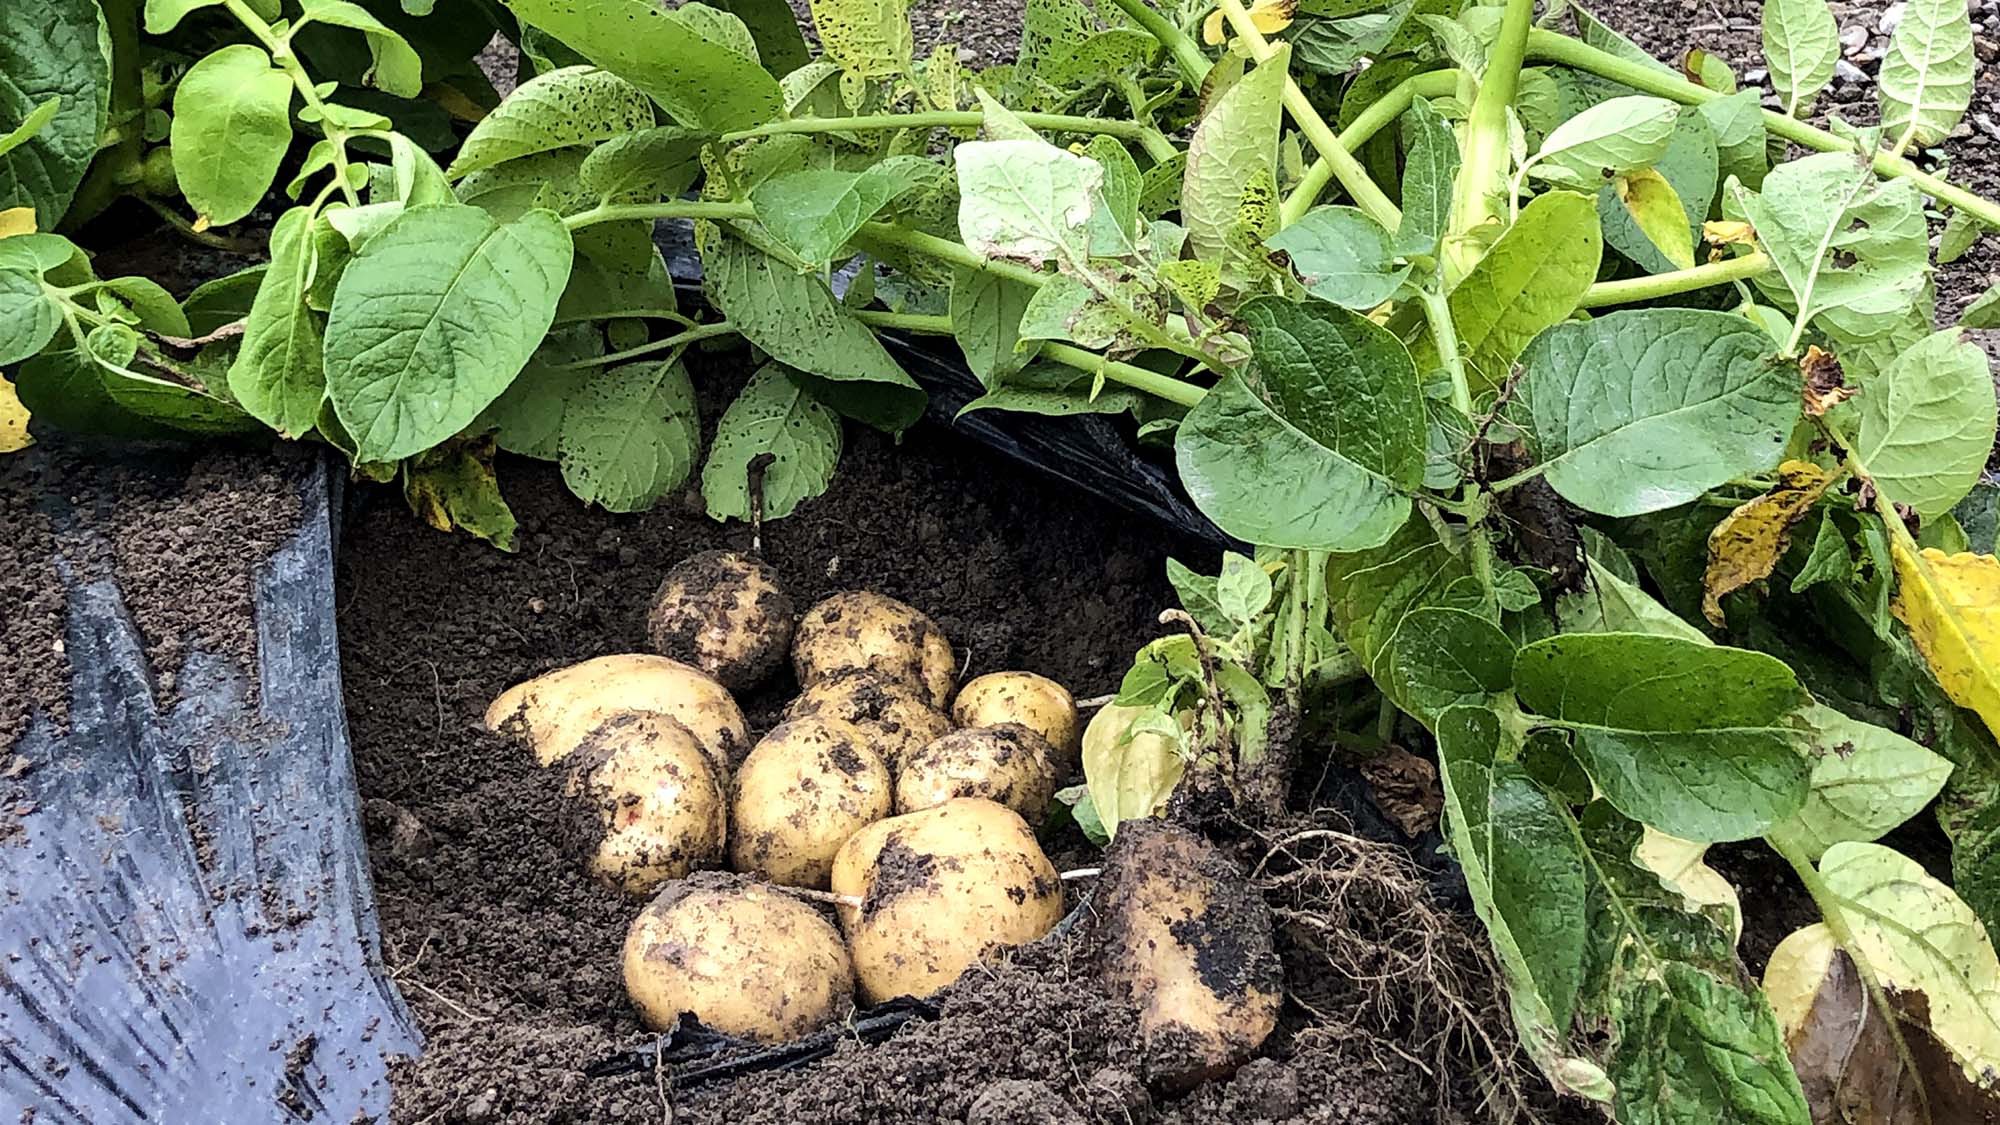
(1342, 256)
(798, 321)
(577, 105)
(814, 212)
(397, 69)
(1689, 738)
(1197, 594)
(1394, 603)
(64, 389)
(1610, 138)
(1649, 408)
(1026, 200)
(1689, 170)
(656, 163)
(781, 45)
(1925, 426)
(1322, 455)
(699, 81)
(162, 16)
(1055, 390)
(279, 375)
(1234, 144)
(618, 273)
(1838, 237)
(60, 51)
(1827, 561)
(224, 300)
(986, 320)
(772, 415)
(1243, 590)
(457, 489)
(1611, 603)
(1925, 83)
(434, 318)
(1866, 781)
(1802, 44)
(1531, 278)
(232, 125)
(1444, 658)
(629, 435)
(1737, 123)
(29, 318)
(869, 38)
(1430, 167)
(30, 126)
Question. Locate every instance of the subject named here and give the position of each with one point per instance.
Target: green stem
(1378, 116)
(669, 343)
(281, 53)
(1347, 170)
(1189, 57)
(669, 209)
(1151, 139)
(1444, 334)
(1547, 46)
(1138, 378)
(1478, 196)
(1678, 281)
(941, 119)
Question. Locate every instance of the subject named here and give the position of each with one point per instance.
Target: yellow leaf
(1131, 761)
(1951, 604)
(1270, 17)
(1682, 866)
(1746, 546)
(17, 220)
(1724, 232)
(13, 420)
(1656, 208)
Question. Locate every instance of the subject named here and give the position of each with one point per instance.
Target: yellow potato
(940, 891)
(746, 960)
(1008, 763)
(1035, 702)
(553, 712)
(867, 630)
(652, 802)
(896, 718)
(1181, 935)
(725, 614)
(804, 789)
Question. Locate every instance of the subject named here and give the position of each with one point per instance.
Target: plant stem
(1444, 334)
(1352, 176)
(1151, 139)
(941, 119)
(1547, 46)
(1678, 281)
(669, 343)
(1378, 115)
(1482, 178)
(1138, 378)
(281, 54)
(669, 209)
(1191, 60)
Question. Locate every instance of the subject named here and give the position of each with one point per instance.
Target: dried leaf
(1746, 546)
(1723, 232)
(1406, 789)
(1826, 383)
(1270, 16)
(1951, 605)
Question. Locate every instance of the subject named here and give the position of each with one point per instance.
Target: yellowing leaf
(1682, 866)
(1951, 604)
(1131, 762)
(17, 220)
(1746, 546)
(13, 420)
(1270, 16)
(1656, 208)
(1724, 232)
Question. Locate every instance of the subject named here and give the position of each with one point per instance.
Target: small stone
(1848, 74)
(480, 1110)
(628, 556)
(968, 55)
(537, 606)
(1987, 49)
(1756, 76)
(1891, 16)
(1854, 41)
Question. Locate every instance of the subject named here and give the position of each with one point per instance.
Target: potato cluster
(917, 812)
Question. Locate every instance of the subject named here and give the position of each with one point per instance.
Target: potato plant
(1588, 420)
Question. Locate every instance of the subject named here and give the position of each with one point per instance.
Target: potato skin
(1008, 763)
(804, 789)
(868, 630)
(941, 890)
(1180, 934)
(1036, 702)
(650, 802)
(747, 960)
(724, 613)
(895, 717)
(554, 711)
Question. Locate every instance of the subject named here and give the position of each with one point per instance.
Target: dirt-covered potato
(649, 802)
(1180, 934)
(747, 960)
(725, 614)
(805, 788)
(867, 630)
(941, 890)
(1008, 763)
(1036, 702)
(553, 712)
(895, 717)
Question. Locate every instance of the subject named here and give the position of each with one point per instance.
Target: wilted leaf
(1131, 761)
(17, 220)
(1269, 16)
(1951, 604)
(1235, 143)
(1746, 546)
(455, 489)
(13, 420)
(1682, 866)
(1656, 208)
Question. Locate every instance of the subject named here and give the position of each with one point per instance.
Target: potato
(651, 802)
(725, 614)
(804, 789)
(1036, 702)
(865, 630)
(747, 960)
(896, 718)
(1008, 763)
(1181, 935)
(941, 890)
(553, 712)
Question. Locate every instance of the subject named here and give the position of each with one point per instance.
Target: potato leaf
(1926, 80)
(814, 212)
(771, 415)
(986, 312)
(1234, 144)
(699, 81)
(1026, 200)
(14, 418)
(454, 487)
(1802, 44)
(1838, 237)
(577, 105)
(1612, 603)
(1132, 760)
(58, 54)
(1951, 605)
(1610, 138)
(1746, 546)
(1692, 739)
(29, 318)
(1656, 209)
(629, 435)
(398, 69)
(279, 375)
(1530, 279)
(1430, 167)
(1866, 781)
(869, 38)
(232, 125)
(1342, 256)
(1925, 425)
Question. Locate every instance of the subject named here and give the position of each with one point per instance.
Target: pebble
(1891, 16)
(1854, 41)
(1847, 72)
(1987, 49)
